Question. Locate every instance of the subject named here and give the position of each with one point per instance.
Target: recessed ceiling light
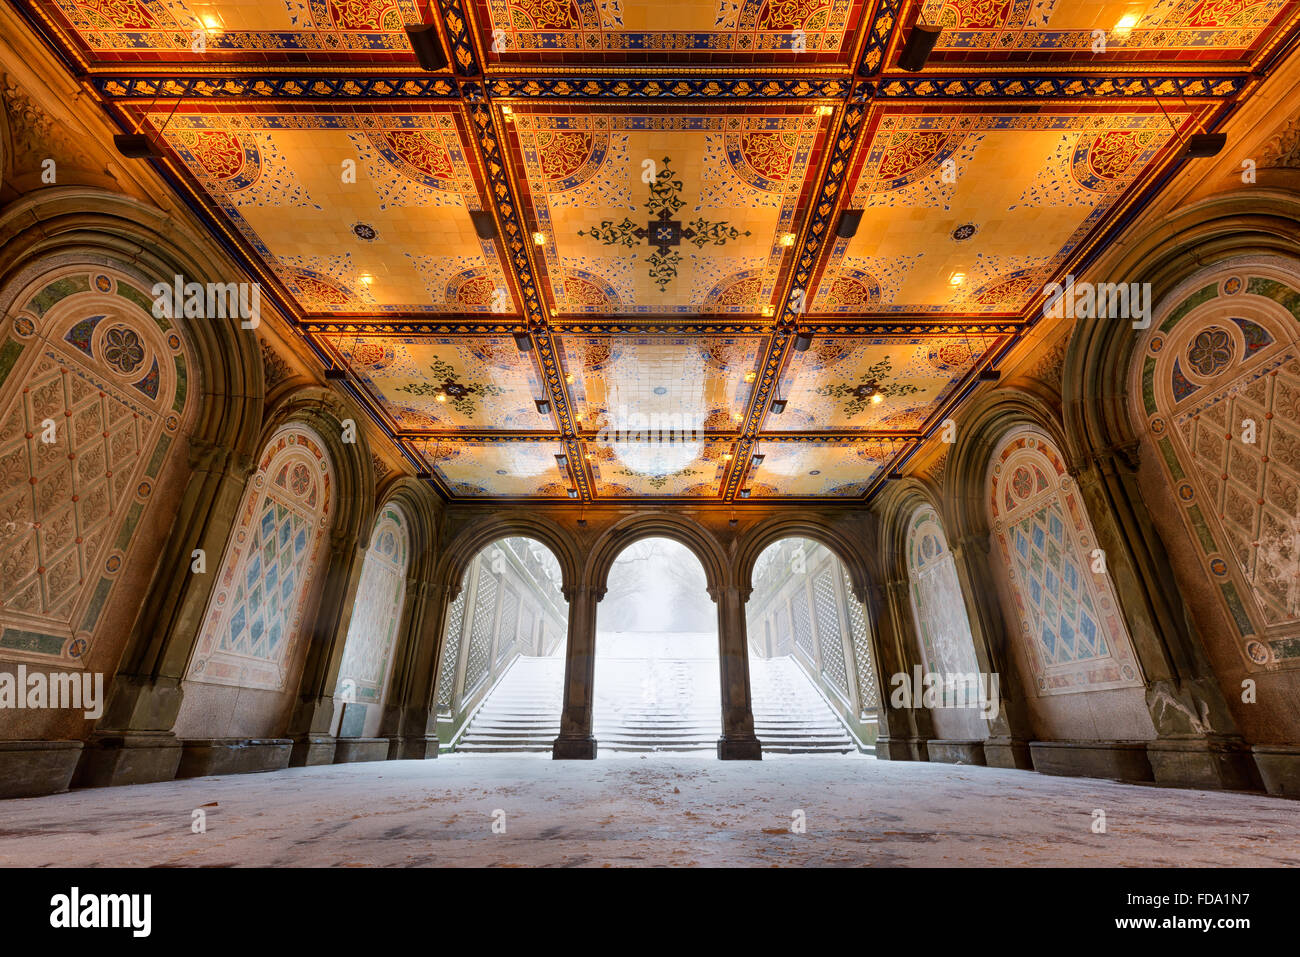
(1126, 24)
(787, 239)
(877, 399)
(825, 110)
(727, 457)
(539, 238)
(440, 397)
(769, 310)
(957, 278)
(751, 376)
(365, 279)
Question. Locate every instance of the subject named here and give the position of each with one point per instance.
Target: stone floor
(631, 810)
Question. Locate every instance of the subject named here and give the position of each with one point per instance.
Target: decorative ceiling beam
(309, 87)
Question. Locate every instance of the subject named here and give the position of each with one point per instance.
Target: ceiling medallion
(365, 232)
(662, 231)
(963, 232)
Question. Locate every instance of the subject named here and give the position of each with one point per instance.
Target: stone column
(311, 724)
(1198, 744)
(1007, 745)
(738, 741)
(905, 725)
(411, 713)
(576, 740)
(133, 742)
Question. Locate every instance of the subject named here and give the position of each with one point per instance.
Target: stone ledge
(348, 750)
(203, 756)
(127, 757)
(739, 749)
(1279, 767)
(1204, 763)
(1121, 760)
(956, 752)
(34, 768)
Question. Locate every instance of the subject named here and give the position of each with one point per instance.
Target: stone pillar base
(311, 750)
(1201, 763)
(33, 768)
(955, 752)
(573, 749)
(204, 756)
(1009, 753)
(1279, 768)
(140, 757)
(422, 748)
(900, 749)
(349, 750)
(1120, 760)
(740, 749)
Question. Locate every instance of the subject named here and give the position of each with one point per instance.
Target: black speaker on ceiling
(1201, 145)
(920, 43)
(847, 227)
(485, 225)
(426, 46)
(134, 145)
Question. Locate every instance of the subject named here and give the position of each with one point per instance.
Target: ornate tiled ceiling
(664, 183)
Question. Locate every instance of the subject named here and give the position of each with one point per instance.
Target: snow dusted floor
(661, 810)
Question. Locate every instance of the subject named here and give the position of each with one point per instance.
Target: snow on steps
(654, 704)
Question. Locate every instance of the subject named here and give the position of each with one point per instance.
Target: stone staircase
(654, 695)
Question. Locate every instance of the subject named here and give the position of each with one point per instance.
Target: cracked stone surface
(655, 810)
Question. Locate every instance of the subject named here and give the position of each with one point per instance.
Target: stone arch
(1250, 222)
(370, 650)
(245, 662)
(326, 413)
(464, 546)
(678, 528)
(60, 227)
(980, 430)
(97, 398)
(845, 543)
(896, 506)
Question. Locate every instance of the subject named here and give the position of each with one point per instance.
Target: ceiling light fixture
(426, 46)
(562, 460)
(778, 406)
(524, 341)
(989, 375)
(573, 493)
(335, 375)
(825, 110)
(485, 224)
(1126, 24)
(539, 238)
(787, 239)
(956, 278)
(134, 145)
(543, 406)
(744, 493)
(847, 227)
(1203, 145)
(756, 460)
(769, 310)
(920, 44)
(802, 341)
(751, 376)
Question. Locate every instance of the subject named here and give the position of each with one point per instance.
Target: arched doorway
(812, 677)
(657, 685)
(501, 669)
